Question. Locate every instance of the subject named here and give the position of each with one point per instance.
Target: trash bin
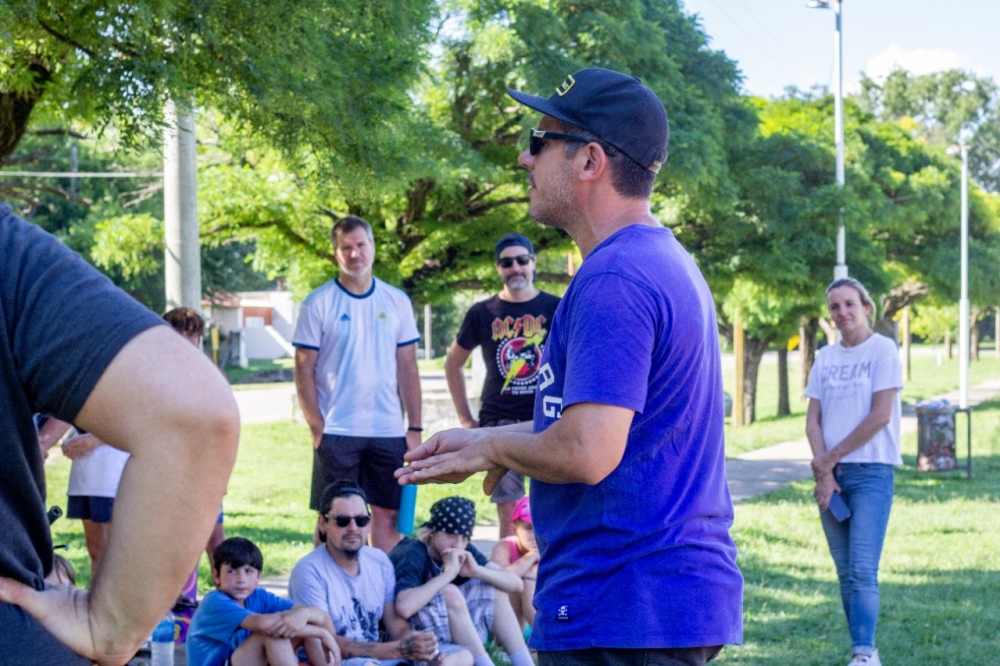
(936, 437)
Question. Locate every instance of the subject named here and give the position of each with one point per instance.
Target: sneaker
(872, 660)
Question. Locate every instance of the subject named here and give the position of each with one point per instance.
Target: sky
(778, 43)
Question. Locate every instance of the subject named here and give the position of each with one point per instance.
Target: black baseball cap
(513, 240)
(614, 106)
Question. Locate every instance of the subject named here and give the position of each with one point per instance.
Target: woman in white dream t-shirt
(853, 428)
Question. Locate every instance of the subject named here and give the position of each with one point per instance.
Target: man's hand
(419, 646)
(80, 446)
(317, 437)
(452, 456)
(469, 424)
(65, 611)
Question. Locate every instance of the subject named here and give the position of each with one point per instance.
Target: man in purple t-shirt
(629, 496)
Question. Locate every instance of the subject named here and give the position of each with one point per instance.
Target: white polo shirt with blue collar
(357, 338)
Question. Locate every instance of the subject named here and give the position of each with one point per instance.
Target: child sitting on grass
(241, 625)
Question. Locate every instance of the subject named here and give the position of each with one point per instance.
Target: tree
(313, 74)
(938, 107)
(454, 184)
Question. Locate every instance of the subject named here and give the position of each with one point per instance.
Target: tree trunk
(888, 328)
(16, 108)
(753, 352)
(808, 332)
(975, 334)
(947, 345)
(783, 408)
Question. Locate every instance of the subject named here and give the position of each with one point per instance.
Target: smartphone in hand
(838, 507)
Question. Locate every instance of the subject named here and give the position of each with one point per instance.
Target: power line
(779, 61)
(793, 56)
(83, 174)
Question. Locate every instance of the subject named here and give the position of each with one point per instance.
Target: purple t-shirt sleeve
(609, 352)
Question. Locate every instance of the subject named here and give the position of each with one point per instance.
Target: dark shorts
(696, 656)
(511, 486)
(24, 641)
(88, 507)
(367, 461)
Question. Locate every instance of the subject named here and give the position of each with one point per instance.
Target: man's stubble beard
(558, 209)
(518, 283)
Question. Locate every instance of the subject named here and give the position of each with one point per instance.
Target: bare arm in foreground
(583, 446)
(164, 403)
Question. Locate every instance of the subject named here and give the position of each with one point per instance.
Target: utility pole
(180, 210)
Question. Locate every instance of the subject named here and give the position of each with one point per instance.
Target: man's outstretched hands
(452, 456)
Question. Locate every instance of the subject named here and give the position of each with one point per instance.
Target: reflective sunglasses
(521, 259)
(344, 521)
(537, 139)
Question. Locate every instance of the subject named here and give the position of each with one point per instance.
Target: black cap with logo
(616, 107)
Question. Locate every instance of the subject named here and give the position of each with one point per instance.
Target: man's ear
(320, 532)
(590, 162)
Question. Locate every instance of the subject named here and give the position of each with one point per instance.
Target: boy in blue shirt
(241, 625)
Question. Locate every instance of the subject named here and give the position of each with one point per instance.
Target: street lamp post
(840, 270)
(963, 303)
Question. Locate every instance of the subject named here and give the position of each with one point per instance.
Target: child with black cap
(444, 584)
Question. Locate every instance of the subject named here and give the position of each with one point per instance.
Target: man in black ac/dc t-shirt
(511, 328)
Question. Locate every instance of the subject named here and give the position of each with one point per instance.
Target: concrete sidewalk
(761, 471)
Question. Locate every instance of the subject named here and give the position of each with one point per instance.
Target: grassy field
(927, 379)
(940, 573)
(940, 570)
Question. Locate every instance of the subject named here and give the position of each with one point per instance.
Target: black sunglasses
(344, 521)
(537, 139)
(521, 259)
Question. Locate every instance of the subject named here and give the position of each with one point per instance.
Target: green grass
(268, 499)
(940, 572)
(940, 569)
(435, 364)
(236, 373)
(927, 379)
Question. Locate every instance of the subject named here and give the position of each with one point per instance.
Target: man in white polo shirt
(356, 354)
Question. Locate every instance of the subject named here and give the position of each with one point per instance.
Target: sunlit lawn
(928, 379)
(940, 571)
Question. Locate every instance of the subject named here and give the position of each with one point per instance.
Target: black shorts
(88, 507)
(367, 461)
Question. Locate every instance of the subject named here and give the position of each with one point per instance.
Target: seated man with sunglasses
(510, 328)
(356, 585)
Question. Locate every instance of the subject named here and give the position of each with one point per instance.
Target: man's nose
(526, 160)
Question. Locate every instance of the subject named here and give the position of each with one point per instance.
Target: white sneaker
(872, 660)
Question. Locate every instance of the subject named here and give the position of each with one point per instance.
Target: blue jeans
(856, 544)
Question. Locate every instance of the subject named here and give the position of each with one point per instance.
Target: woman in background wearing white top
(853, 428)
(93, 484)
